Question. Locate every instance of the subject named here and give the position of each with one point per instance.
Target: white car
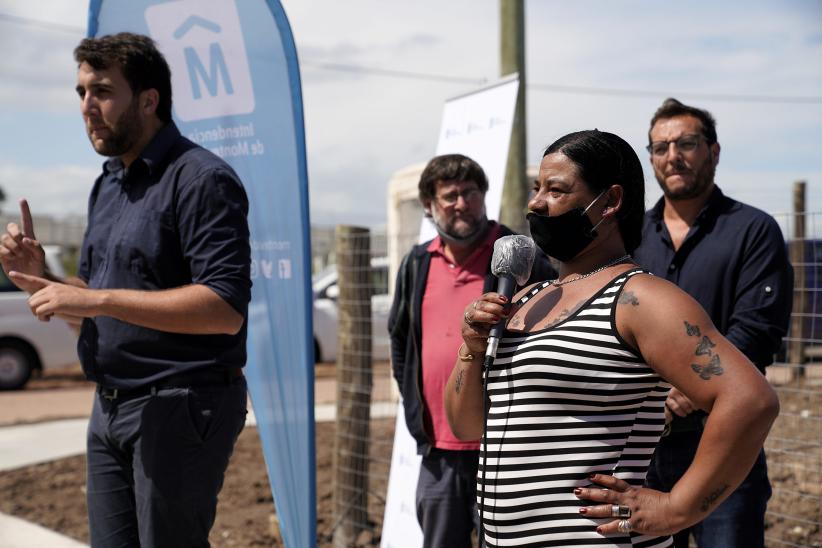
(27, 344)
(325, 312)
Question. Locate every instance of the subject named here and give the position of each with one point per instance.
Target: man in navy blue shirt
(732, 259)
(161, 301)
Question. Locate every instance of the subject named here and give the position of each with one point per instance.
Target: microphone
(511, 263)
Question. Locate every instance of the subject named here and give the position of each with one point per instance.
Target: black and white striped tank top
(566, 401)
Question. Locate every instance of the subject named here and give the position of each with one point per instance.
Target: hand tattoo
(692, 330)
(714, 367)
(628, 297)
(709, 501)
(704, 347)
(458, 383)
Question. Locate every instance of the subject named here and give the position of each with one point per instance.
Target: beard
(703, 177)
(123, 134)
(462, 230)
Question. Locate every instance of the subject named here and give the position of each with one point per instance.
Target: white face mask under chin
(461, 240)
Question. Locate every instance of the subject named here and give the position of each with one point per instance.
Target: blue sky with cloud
(363, 125)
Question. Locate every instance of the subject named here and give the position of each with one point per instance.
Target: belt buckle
(110, 395)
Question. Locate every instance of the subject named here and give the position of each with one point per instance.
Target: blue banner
(236, 90)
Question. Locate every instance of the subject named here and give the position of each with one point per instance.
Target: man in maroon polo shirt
(435, 282)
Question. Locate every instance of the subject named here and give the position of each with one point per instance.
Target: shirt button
(671, 267)
(768, 289)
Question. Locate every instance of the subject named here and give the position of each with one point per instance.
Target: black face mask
(564, 236)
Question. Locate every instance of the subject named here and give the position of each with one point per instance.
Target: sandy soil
(52, 494)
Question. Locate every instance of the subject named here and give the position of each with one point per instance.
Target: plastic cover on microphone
(514, 256)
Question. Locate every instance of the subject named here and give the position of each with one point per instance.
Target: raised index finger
(25, 218)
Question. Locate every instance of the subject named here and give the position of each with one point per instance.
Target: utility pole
(512, 59)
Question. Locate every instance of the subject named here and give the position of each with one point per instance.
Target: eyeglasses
(686, 143)
(470, 195)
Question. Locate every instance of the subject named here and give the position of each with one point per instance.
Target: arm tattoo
(692, 330)
(709, 501)
(714, 367)
(704, 347)
(458, 383)
(628, 297)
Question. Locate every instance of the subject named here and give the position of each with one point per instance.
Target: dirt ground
(52, 494)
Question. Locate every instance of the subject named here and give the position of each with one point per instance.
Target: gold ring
(467, 319)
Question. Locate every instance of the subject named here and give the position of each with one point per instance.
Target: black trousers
(447, 498)
(156, 464)
(739, 522)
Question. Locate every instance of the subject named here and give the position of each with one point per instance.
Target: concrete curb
(19, 533)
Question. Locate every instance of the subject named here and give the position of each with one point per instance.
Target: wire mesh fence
(364, 429)
(794, 447)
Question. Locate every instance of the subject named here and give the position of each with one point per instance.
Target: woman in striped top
(575, 397)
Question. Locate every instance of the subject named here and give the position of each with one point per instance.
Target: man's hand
(21, 252)
(679, 404)
(53, 298)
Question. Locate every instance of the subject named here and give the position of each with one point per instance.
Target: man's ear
(426, 208)
(715, 149)
(149, 101)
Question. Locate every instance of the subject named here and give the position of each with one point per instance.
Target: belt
(186, 379)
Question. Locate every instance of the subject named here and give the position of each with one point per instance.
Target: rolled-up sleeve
(212, 211)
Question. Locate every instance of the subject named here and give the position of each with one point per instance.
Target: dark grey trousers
(156, 464)
(447, 498)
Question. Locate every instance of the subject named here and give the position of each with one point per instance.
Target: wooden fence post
(796, 347)
(354, 382)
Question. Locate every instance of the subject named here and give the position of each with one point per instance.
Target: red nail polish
(599, 530)
(577, 491)
(503, 298)
(592, 477)
(583, 510)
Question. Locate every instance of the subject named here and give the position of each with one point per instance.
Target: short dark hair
(450, 167)
(604, 159)
(671, 107)
(142, 64)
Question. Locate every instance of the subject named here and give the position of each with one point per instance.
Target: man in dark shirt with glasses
(732, 259)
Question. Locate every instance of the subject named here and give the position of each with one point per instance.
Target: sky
(756, 65)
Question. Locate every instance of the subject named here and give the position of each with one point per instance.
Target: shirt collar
(710, 208)
(151, 156)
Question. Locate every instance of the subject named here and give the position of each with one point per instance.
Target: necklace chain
(591, 273)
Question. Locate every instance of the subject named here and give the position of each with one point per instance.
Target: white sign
(400, 528)
(478, 125)
(203, 43)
